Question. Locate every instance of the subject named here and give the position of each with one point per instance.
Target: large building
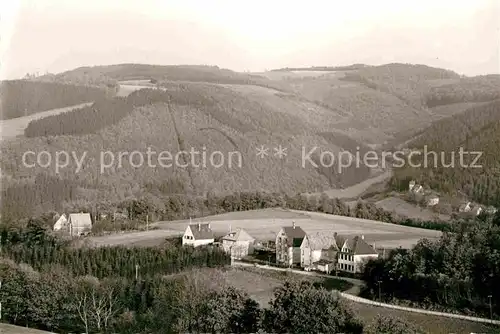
(288, 242)
(354, 253)
(319, 251)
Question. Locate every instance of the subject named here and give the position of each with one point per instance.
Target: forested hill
(22, 97)
(476, 130)
(201, 73)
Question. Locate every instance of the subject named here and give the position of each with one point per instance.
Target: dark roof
(323, 262)
(201, 231)
(295, 235)
(360, 247)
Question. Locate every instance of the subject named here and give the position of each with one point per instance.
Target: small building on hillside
(61, 223)
(238, 243)
(465, 207)
(198, 235)
(319, 251)
(490, 210)
(79, 224)
(432, 200)
(288, 242)
(354, 253)
(411, 185)
(476, 210)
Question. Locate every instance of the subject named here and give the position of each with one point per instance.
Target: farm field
(401, 207)
(265, 224)
(431, 324)
(14, 127)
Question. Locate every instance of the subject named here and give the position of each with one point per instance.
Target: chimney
(230, 228)
(199, 227)
(209, 225)
(293, 224)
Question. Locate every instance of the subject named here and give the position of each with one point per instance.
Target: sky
(58, 35)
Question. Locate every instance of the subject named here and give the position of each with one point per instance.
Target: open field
(265, 224)
(10, 329)
(401, 207)
(431, 324)
(14, 127)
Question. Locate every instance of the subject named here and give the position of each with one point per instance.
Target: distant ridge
(322, 68)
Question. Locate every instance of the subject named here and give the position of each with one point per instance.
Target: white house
(491, 210)
(417, 189)
(79, 224)
(238, 243)
(465, 207)
(432, 200)
(319, 251)
(198, 235)
(354, 253)
(288, 242)
(476, 210)
(61, 223)
(411, 185)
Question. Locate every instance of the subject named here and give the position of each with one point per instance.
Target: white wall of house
(346, 261)
(238, 249)
(203, 242)
(188, 237)
(281, 247)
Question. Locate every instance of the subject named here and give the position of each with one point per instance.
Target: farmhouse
(79, 224)
(239, 243)
(198, 235)
(432, 200)
(354, 253)
(490, 210)
(319, 251)
(61, 223)
(288, 242)
(465, 207)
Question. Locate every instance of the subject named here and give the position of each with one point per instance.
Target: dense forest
(474, 89)
(23, 97)
(476, 130)
(457, 272)
(63, 294)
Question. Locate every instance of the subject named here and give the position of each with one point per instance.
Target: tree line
(459, 272)
(23, 97)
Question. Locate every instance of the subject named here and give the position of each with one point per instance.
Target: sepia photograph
(250, 166)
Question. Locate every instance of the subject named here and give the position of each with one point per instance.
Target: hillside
(408, 82)
(22, 97)
(203, 117)
(122, 72)
(211, 109)
(475, 130)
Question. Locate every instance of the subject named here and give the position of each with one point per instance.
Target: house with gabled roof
(79, 224)
(238, 243)
(354, 253)
(61, 223)
(319, 251)
(288, 242)
(198, 235)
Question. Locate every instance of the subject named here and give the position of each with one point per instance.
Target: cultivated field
(401, 207)
(14, 127)
(265, 224)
